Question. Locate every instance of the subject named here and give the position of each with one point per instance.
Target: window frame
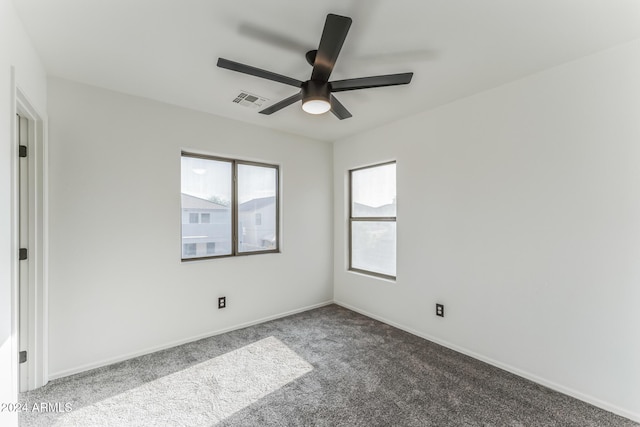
(353, 219)
(235, 252)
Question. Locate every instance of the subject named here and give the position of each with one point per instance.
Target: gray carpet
(324, 367)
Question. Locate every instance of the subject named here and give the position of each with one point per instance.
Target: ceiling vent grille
(251, 100)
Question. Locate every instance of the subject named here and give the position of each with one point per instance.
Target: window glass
(374, 191)
(257, 203)
(206, 204)
(374, 247)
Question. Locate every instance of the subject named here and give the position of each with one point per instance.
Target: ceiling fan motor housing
(314, 90)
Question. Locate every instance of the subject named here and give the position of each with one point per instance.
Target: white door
(23, 219)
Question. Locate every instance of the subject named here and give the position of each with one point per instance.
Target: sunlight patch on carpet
(201, 395)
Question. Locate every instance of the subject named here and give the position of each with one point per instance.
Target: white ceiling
(167, 49)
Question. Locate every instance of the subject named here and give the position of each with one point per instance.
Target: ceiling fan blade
(253, 71)
(338, 109)
(368, 82)
(272, 37)
(335, 32)
(280, 105)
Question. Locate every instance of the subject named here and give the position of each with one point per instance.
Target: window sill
(372, 275)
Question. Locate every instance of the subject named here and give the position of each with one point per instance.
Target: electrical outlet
(222, 302)
(440, 310)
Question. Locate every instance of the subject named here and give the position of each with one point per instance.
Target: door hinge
(23, 356)
(23, 254)
(22, 151)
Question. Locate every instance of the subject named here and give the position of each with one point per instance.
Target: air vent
(251, 100)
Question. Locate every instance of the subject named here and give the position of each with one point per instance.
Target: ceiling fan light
(316, 106)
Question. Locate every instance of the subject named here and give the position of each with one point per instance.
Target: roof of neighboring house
(255, 204)
(193, 202)
(366, 210)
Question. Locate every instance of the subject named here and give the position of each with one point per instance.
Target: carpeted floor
(324, 367)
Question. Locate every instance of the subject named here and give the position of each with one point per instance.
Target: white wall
(15, 51)
(117, 287)
(519, 210)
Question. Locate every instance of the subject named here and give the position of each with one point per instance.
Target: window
(372, 220)
(222, 200)
(189, 249)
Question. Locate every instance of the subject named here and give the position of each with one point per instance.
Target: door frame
(37, 346)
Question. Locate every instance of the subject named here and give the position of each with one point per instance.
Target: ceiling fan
(317, 92)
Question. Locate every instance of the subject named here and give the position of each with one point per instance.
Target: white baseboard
(539, 380)
(117, 359)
